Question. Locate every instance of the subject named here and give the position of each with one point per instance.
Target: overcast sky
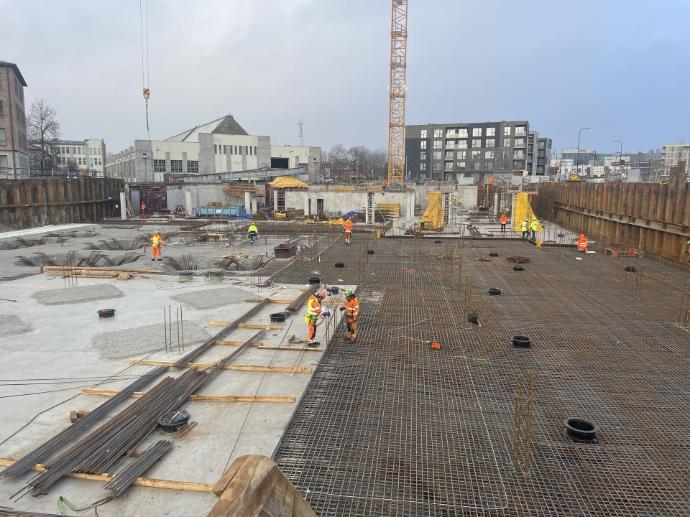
(620, 67)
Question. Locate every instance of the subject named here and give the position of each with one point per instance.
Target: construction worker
(351, 310)
(582, 243)
(252, 233)
(313, 312)
(688, 249)
(504, 221)
(156, 243)
(534, 226)
(524, 228)
(347, 228)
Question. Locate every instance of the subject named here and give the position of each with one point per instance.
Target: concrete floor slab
(77, 294)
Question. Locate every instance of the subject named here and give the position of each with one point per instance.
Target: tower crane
(396, 95)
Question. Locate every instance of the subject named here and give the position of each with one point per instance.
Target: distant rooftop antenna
(300, 124)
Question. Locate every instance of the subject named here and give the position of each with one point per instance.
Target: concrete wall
(337, 203)
(199, 196)
(465, 194)
(653, 217)
(39, 202)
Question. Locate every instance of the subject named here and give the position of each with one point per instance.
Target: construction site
(192, 348)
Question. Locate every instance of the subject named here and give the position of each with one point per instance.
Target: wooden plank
(140, 481)
(150, 271)
(254, 326)
(234, 367)
(200, 398)
(228, 476)
(291, 349)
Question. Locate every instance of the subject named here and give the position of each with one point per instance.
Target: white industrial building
(672, 155)
(81, 157)
(217, 147)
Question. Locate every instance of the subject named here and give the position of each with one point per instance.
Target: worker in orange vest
(347, 228)
(582, 243)
(504, 221)
(313, 312)
(156, 243)
(351, 310)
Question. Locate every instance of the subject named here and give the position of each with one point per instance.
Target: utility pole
(577, 161)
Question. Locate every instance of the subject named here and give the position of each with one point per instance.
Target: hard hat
(348, 293)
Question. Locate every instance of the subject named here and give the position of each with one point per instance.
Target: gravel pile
(11, 325)
(77, 294)
(132, 342)
(213, 298)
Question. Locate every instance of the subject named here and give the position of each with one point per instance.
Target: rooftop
(225, 125)
(16, 70)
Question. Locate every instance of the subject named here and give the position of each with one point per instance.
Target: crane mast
(396, 95)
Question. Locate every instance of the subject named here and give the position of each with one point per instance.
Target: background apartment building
(69, 158)
(672, 155)
(14, 160)
(467, 152)
(217, 147)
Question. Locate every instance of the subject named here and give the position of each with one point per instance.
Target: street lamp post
(620, 152)
(577, 161)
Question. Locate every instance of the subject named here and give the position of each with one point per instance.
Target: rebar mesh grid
(389, 426)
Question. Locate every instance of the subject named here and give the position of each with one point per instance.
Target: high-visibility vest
(352, 308)
(156, 241)
(347, 226)
(504, 219)
(534, 225)
(524, 226)
(582, 244)
(253, 229)
(313, 309)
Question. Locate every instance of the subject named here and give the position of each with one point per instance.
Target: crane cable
(144, 43)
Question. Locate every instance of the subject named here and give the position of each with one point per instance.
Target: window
(422, 156)
(422, 166)
(456, 132)
(438, 155)
(488, 155)
(449, 155)
(438, 133)
(448, 166)
(461, 155)
(477, 166)
(518, 153)
(462, 132)
(490, 131)
(438, 144)
(476, 143)
(462, 144)
(225, 149)
(3, 137)
(1, 112)
(519, 142)
(423, 133)
(520, 130)
(461, 165)
(422, 144)
(476, 155)
(450, 144)
(490, 142)
(175, 165)
(158, 165)
(3, 162)
(506, 131)
(507, 142)
(477, 131)
(192, 166)
(438, 166)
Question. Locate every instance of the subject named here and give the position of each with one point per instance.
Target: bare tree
(42, 126)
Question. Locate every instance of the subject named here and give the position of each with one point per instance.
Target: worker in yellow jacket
(311, 318)
(156, 244)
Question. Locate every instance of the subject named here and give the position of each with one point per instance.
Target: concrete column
(275, 200)
(123, 207)
(255, 206)
(410, 207)
(188, 208)
(248, 202)
(306, 204)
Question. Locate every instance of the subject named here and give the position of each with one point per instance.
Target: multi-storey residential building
(544, 149)
(220, 146)
(70, 157)
(466, 152)
(672, 155)
(14, 160)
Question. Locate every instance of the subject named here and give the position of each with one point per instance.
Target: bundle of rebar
(101, 449)
(62, 439)
(126, 477)
(183, 361)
